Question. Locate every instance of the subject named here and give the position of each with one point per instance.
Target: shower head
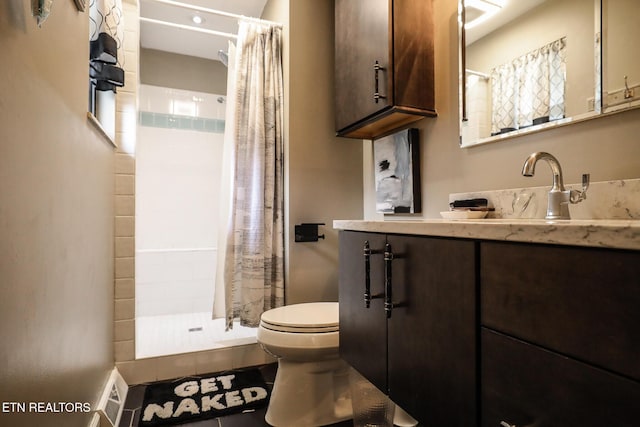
(224, 57)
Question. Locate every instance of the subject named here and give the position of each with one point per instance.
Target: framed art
(397, 173)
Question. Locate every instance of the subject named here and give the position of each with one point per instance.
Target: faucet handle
(577, 196)
(585, 181)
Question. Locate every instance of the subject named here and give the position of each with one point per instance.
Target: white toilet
(312, 382)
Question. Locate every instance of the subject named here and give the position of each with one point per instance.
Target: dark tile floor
(133, 404)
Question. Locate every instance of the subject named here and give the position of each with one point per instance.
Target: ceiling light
(197, 19)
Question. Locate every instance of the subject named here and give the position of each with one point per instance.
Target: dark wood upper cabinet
(384, 69)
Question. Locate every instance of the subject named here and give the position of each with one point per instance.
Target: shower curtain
(226, 184)
(254, 250)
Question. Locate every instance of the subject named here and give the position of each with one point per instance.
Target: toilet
(311, 387)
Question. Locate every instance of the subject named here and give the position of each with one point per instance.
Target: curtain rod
(190, 28)
(215, 12)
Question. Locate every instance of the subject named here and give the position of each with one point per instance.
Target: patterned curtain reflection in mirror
(529, 90)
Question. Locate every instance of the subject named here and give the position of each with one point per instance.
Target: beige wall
(323, 173)
(167, 69)
(56, 218)
(606, 147)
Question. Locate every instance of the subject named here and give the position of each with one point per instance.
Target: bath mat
(202, 397)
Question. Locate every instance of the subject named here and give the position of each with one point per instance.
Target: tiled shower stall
(178, 174)
(178, 158)
(137, 370)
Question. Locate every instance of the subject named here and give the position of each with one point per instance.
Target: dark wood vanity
(494, 333)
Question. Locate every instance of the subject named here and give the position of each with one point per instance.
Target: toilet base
(310, 394)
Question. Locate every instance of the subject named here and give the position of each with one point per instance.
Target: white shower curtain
(254, 250)
(226, 183)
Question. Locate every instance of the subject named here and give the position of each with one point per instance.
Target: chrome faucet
(559, 198)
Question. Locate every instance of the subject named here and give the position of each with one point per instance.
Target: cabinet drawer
(524, 385)
(582, 302)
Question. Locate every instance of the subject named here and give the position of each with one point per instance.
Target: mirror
(528, 65)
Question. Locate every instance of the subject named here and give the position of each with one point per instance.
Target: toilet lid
(302, 318)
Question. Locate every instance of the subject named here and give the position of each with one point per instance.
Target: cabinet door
(525, 385)
(413, 63)
(432, 330)
(362, 38)
(363, 331)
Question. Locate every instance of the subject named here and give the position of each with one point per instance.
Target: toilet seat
(306, 318)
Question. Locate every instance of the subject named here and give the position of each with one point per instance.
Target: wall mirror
(530, 65)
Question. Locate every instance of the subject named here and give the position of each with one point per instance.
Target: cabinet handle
(376, 94)
(388, 277)
(367, 274)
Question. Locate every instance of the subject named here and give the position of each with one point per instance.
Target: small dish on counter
(460, 214)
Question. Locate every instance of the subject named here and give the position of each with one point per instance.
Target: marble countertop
(619, 234)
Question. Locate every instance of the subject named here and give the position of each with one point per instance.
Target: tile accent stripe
(172, 121)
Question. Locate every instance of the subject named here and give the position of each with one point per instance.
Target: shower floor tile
(185, 333)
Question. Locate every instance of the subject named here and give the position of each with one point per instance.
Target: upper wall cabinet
(383, 65)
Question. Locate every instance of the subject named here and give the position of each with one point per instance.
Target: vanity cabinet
(422, 352)
(560, 340)
(493, 333)
(384, 67)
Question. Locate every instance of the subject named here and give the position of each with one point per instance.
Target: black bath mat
(202, 397)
